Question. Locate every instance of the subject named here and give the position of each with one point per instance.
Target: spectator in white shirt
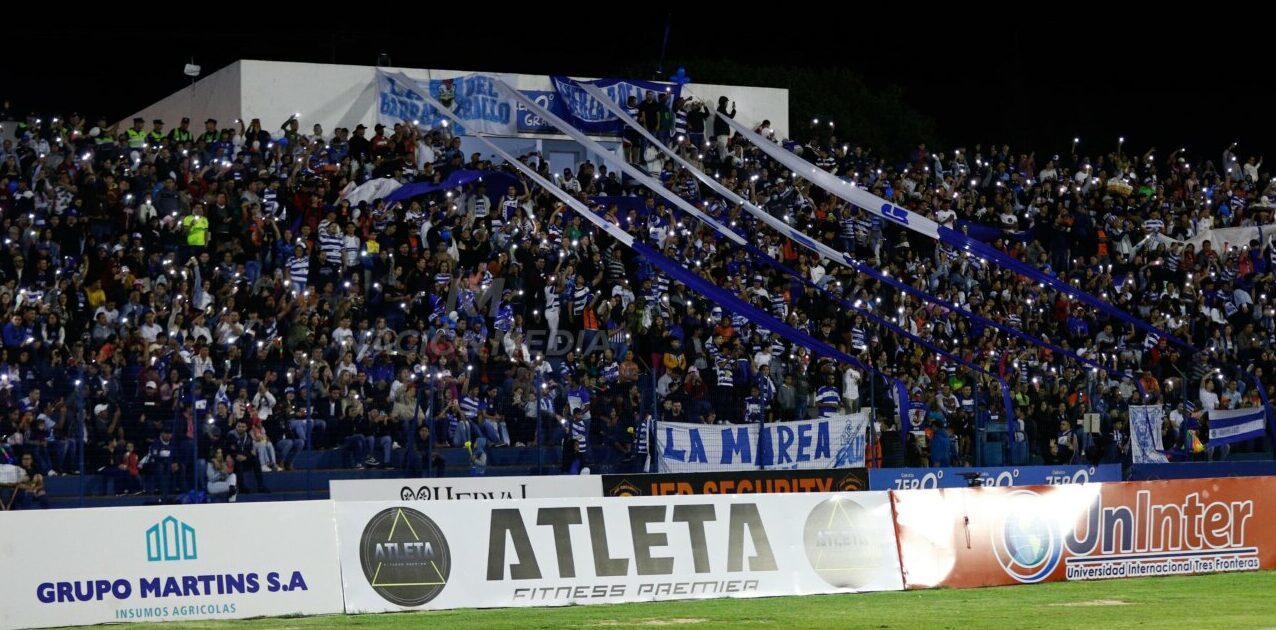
(1209, 400)
(149, 329)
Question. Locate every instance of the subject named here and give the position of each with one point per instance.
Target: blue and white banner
(472, 98)
(1237, 425)
(832, 442)
(1145, 434)
(589, 115)
(929, 478)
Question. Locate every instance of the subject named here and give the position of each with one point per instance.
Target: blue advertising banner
(529, 122)
(917, 478)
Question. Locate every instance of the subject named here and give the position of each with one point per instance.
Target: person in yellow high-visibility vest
(136, 135)
(196, 227)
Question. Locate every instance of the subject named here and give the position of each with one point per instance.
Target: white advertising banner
(167, 563)
(466, 489)
(553, 552)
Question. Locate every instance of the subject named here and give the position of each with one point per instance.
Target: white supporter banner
(472, 98)
(556, 552)
(1145, 434)
(370, 190)
(832, 442)
(168, 563)
(466, 489)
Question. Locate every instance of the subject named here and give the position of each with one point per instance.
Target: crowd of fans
(213, 292)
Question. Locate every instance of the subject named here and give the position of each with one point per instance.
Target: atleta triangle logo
(842, 544)
(405, 557)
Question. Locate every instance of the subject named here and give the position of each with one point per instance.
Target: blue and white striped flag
(1236, 425)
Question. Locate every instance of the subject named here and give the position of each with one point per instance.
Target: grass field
(1239, 600)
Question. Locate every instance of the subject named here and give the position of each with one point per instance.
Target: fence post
(412, 430)
(306, 382)
(1267, 411)
(757, 448)
(195, 440)
(82, 435)
(980, 434)
(538, 390)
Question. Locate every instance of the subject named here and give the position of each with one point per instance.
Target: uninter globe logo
(1028, 544)
(841, 544)
(405, 557)
(171, 539)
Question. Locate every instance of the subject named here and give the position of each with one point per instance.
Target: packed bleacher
(200, 307)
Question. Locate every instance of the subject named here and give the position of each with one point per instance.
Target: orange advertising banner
(972, 537)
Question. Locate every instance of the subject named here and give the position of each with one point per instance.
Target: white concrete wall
(344, 96)
(332, 95)
(753, 104)
(218, 95)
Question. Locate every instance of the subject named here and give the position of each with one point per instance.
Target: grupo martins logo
(171, 539)
(1027, 544)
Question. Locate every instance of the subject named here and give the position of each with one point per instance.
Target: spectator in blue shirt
(943, 446)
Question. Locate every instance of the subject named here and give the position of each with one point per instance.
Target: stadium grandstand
(252, 288)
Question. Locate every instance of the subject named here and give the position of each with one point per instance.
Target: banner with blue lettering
(929, 478)
(832, 442)
(584, 111)
(473, 98)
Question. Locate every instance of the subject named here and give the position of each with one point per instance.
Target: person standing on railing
(722, 131)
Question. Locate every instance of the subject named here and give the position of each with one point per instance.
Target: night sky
(1032, 81)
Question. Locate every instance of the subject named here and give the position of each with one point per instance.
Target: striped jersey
(482, 206)
(299, 269)
(469, 407)
(578, 429)
(331, 246)
(509, 205)
(611, 372)
(725, 377)
(828, 400)
(580, 299)
(779, 306)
